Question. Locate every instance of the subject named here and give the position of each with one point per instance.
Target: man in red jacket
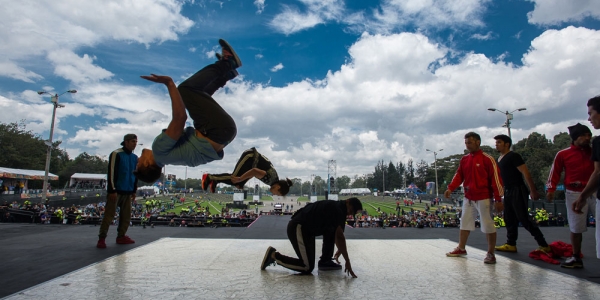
(593, 188)
(576, 161)
(480, 177)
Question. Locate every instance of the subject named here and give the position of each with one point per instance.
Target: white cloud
(192, 49)
(390, 16)
(258, 56)
(12, 70)
(35, 28)
(390, 106)
(484, 37)
(76, 69)
(557, 11)
(277, 67)
(260, 6)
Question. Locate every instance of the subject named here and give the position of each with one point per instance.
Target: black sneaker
(230, 55)
(573, 263)
(268, 260)
(329, 265)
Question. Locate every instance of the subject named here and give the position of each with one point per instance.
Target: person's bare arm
(340, 242)
(179, 116)
(532, 190)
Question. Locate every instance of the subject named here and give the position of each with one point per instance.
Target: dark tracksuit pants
(303, 242)
(209, 117)
(124, 203)
(246, 162)
(515, 211)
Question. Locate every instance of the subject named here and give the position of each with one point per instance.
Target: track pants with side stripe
(304, 246)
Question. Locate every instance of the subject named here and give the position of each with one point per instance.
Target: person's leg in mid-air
(243, 164)
(210, 119)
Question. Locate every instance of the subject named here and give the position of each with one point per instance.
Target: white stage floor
(172, 268)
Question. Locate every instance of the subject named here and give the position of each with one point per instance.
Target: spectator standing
(577, 165)
(326, 218)
(479, 174)
(121, 189)
(594, 180)
(513, 170)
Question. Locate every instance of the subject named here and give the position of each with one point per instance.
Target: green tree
(342, 182)
(538, 153)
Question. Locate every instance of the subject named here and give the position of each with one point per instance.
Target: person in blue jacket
(121, 188)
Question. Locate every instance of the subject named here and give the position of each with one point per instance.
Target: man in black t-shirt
(594, 182)
(512, 170)
(326, 218)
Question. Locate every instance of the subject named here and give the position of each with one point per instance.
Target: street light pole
(54, 100)
(509, 117)
(437, 191)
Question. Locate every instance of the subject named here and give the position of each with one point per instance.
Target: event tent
(25, 174)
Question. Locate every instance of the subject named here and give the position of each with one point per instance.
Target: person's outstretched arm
(340, 242)
(175, 128)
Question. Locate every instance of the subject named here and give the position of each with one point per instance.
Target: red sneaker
(125, 240)
(457, 252)
(101, 243)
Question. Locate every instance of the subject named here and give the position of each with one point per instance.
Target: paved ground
(33, 254)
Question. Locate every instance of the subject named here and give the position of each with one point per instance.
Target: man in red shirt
(576, 162)
(480, 177)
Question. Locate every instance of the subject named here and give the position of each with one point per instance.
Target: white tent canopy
(25, 174)
(91, 179)
(359, 191)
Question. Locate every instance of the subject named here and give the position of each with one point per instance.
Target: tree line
(22, 149)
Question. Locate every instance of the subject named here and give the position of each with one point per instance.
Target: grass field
(216, 202)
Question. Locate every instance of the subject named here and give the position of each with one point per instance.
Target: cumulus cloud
(277, 67)
(36, 28)
(549, 12)
(75, 68)
(292, 19)
(390, 106)
(12, 70)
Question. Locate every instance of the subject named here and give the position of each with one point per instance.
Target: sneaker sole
(511, 251)
(266, 258)
(228, 47)
(489, 262)
(455, 255)
(573, 267)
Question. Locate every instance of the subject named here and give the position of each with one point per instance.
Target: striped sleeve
(555, 172)
(113, 162)
(494, 177)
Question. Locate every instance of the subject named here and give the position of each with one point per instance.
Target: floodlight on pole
(509, 117)
(437, 193)
(54, 100)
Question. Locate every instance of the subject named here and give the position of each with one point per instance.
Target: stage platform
(224, 263)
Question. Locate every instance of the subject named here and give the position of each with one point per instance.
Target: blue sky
(354, 81)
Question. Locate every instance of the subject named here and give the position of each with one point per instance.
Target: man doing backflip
(479, 174)
(513, 170)
(326, 218)
(251, 164)
(213, 126)
(576, 161)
